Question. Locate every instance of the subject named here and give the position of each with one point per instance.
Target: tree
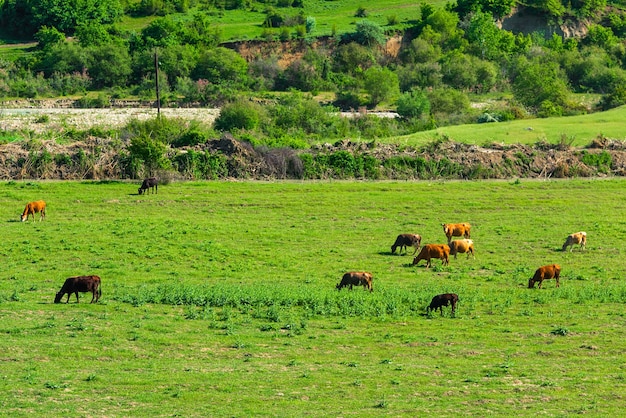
(539, 81)
(413, 104)
(148, 150)
(352, 58)
(109, 65)
(222, 66)
(241, 114)
(47, 37)
(368, 33)
(380, 83)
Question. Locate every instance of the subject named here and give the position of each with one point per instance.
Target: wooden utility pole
(156, 71)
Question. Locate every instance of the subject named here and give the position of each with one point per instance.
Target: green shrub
(241, 114)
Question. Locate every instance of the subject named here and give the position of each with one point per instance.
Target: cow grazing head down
(356, 278)
(406, 240)
(32, 208)
(445, 299)
(430, 251)
(80, 284)
(149, 184)
(462, 246)
(551, 271)
(456, 230)
(577, 238)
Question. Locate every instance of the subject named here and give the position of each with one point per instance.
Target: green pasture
(219, 299)
(332, 17)
(573, 130)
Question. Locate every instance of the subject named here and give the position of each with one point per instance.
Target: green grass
(219, 300)
(578, 130)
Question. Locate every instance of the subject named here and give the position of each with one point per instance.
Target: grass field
(576, 130)
(219, 300)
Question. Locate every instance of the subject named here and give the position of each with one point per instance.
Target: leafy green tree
(422, 75)
(380, 84)
(413, 104)
(352, 58)
(442, 28)
(368, 33)
(47, 37)
(448, 101)
(62, 58)
(496, 8)
(109, 65)
(67, 15)
(241, 114)
(420, 50)
(486, 39)
(160, 32)
(601, 36)
(222, 66)
(93, 34)
(150, 151)
(539, 81)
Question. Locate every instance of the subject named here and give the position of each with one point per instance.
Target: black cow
(442, 300)
(149, 184)
(80, 284)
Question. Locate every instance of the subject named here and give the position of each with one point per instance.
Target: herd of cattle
(454, 247)
(428, 252)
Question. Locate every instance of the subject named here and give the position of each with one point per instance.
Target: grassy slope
(579, 130)
(358, 353)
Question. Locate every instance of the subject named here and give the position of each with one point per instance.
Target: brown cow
(442, 300)
(462, 246)
(34, 207)
(574, 239)
(441, 251)
(357, 278)
(149, 184)
(456, 230)
(80, 284)
(551, 271)
(406, 240)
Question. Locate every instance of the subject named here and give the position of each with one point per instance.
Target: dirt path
(44, 119)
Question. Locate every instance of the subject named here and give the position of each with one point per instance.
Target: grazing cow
(440, 301)
(462, 246)
(441, 251)
(357, 278)
(456, 230)
(148, 185)
(551, 271)
(406, 240)
(34, 207)
(574, 239)
(80, 284)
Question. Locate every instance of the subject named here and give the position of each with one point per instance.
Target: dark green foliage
(26, 17)
(201, 165)
(602, 161)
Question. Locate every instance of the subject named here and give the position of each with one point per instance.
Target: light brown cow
(456, 230)
(551, 271)
(406, 240)
(440, 251)
(575, 239)
(34, 207)
(356, 278)
(462, 246)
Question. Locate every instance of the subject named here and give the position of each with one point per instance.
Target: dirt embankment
(98, 158)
